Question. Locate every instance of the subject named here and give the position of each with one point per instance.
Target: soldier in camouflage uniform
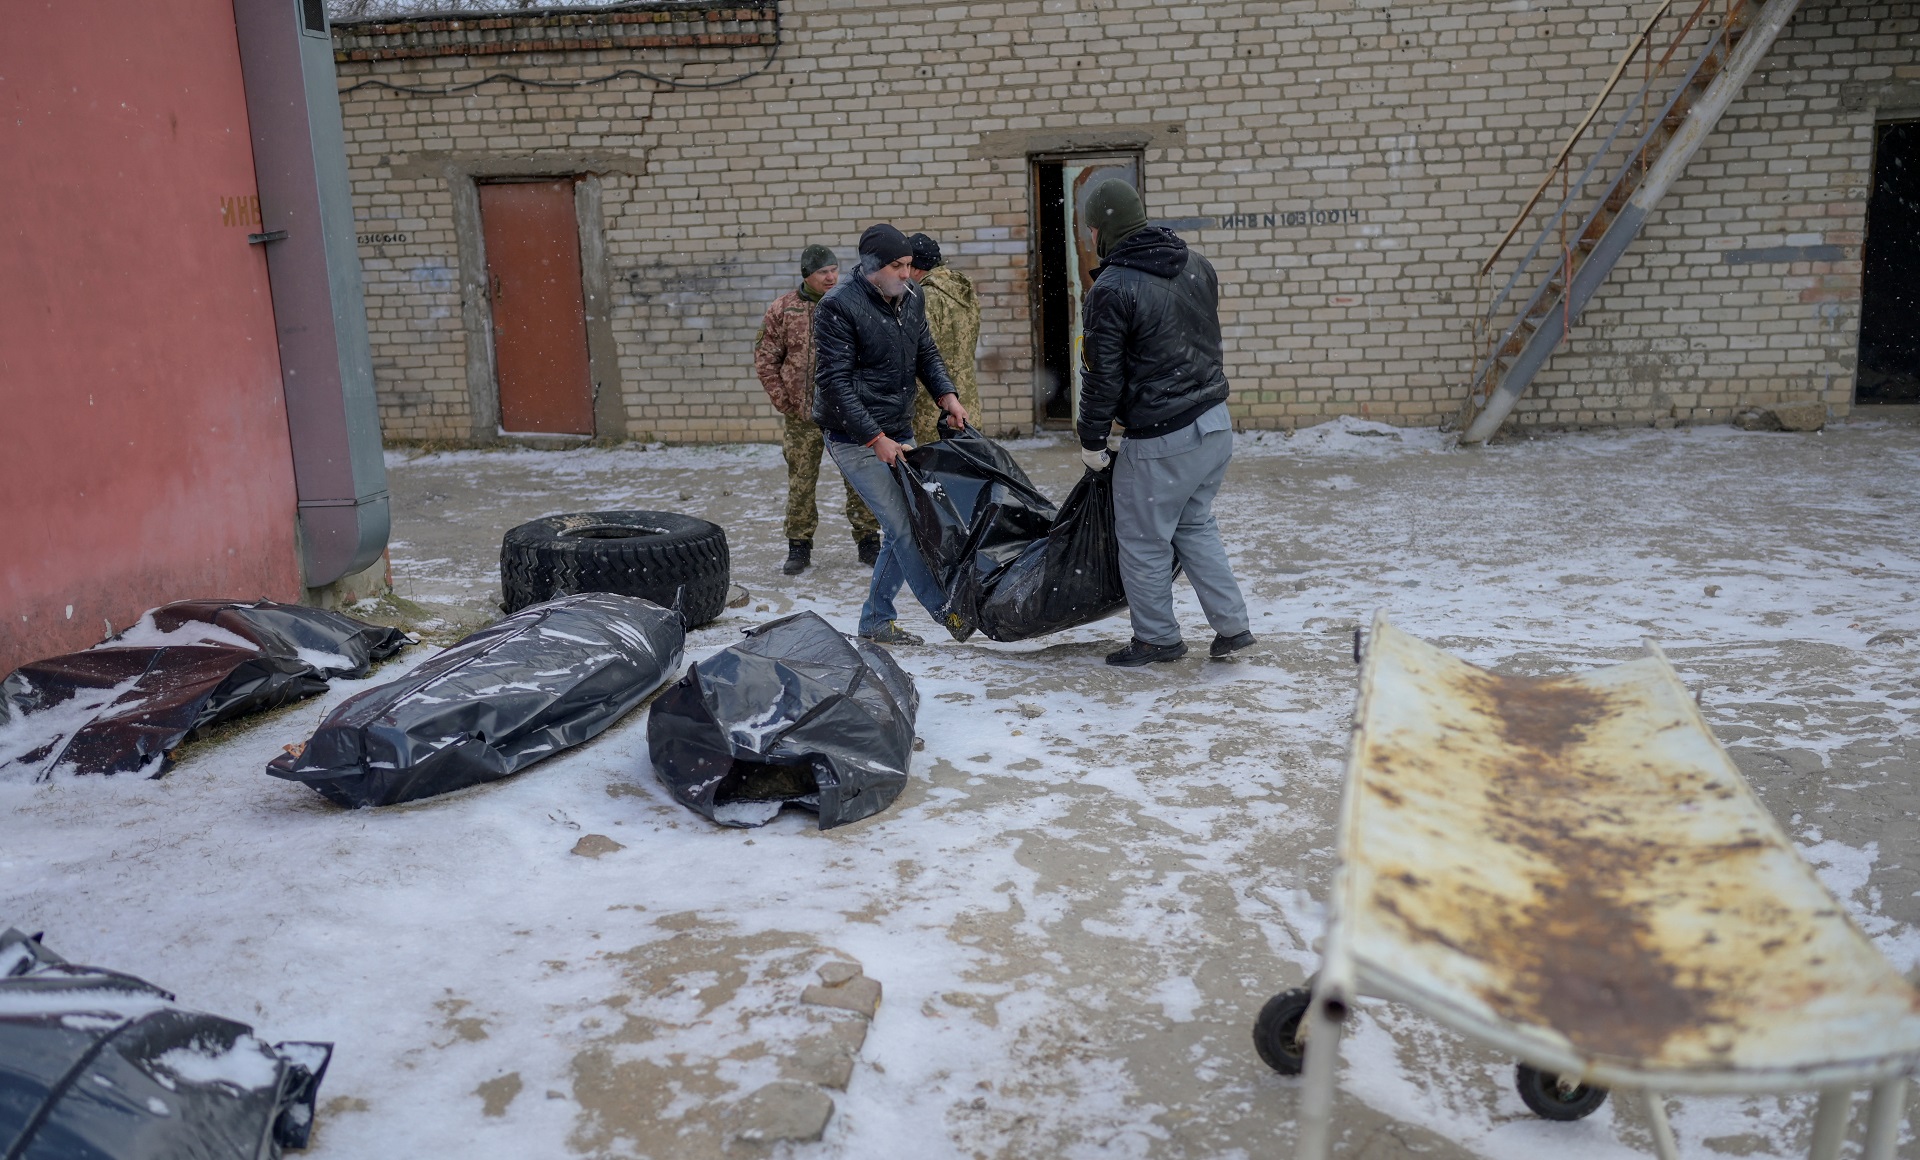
(783, 358)
(953, 315)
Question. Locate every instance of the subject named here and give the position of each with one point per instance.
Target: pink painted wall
(143, 435)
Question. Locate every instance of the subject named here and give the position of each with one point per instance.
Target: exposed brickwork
(657, 26)
(1391, 145)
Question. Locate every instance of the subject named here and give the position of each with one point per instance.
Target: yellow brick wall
(1413, 132)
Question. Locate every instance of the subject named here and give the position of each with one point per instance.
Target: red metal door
(539, 308)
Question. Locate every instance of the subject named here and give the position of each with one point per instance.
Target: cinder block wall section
(1356, 163)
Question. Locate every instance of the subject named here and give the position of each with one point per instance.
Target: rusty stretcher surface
(1573, 868)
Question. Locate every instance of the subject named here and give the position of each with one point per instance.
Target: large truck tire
(659, 556)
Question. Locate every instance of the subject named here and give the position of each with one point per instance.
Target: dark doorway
(1890, 280)
(1064, 262)
(539, 307)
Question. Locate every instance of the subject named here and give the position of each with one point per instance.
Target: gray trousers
(1163, 493)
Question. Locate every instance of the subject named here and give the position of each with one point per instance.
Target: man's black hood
(1155, 250)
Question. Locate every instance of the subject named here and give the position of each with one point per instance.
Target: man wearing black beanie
(1151, 358)
(871, 342)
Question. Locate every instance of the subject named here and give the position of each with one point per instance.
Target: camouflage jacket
(783, 354)
(953, 314)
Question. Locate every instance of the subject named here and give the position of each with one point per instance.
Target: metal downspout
(313, 269)
(1660, 176)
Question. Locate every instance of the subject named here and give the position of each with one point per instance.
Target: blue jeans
(899, 556)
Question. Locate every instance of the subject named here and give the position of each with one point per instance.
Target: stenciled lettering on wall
(380, 239)
(242, 209)
(1288, 219)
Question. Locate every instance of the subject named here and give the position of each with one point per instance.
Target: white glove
(1097, 460)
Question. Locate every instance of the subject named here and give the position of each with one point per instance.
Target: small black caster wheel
(1552, 1098)
(1276, 1033)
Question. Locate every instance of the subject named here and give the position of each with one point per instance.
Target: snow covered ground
(1096, 877)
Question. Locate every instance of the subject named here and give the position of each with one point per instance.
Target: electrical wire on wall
(773, 53)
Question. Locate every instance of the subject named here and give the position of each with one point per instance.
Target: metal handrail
(1619, 70)
(1576, 192)
(1566, 203)
(1573, 139)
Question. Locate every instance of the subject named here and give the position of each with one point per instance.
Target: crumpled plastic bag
(542, 680)
(124, 705)
(103, 1065)
(1012, 564)
(795, 714)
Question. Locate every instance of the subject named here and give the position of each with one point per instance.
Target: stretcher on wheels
(1571, 870)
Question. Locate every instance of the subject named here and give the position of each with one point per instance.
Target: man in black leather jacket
(870, 342)
(1151, 359)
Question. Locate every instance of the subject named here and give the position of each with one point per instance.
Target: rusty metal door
(539, 307)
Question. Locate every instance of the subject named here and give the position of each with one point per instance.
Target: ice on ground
(1076, 913)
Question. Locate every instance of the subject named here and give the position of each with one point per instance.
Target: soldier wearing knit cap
(783, 359)
(953, 314)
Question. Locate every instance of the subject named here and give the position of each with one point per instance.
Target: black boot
(1224, 646)
(1138, 652)
(799, 555)
(869, 548)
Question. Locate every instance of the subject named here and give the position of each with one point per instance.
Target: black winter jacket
(1151, 347)
(867, 352)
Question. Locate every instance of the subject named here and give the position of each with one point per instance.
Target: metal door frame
(1036, 260)
(603, 354)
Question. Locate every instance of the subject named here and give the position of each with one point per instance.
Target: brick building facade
(1346, 166)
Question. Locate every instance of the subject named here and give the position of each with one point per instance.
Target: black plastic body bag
(540, 681)
(98, 1064)
(1013, 566)
(795, 714)
(127, 703)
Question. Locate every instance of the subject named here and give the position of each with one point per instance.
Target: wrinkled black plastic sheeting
(796, 713)
(84, 1070)
(1013, 566)
(542, 680)
(180, 689)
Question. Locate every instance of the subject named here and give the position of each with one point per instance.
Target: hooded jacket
(867, 351)
(1151, 352)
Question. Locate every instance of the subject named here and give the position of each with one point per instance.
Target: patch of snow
(245, 1064)
(1180, 998)
(31, 744)
(326, 662)
(1347, 436)
(145, 634)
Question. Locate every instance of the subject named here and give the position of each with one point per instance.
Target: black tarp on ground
(546, 678)
(123, 706)
(97, 1065)
(1013, 565)
(796, 714)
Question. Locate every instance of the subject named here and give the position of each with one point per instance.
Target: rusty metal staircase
(1707, 57)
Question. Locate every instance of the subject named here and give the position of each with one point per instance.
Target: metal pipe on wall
(313, 268)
